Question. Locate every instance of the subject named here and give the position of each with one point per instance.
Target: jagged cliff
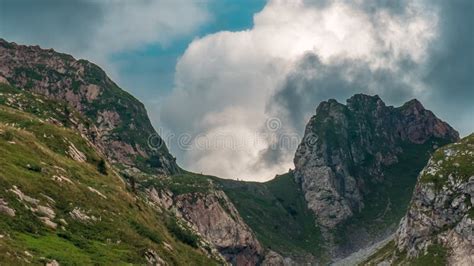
(343, 161)
(277, 213)
(215, 218)
(202, 203)
(438, 228)
(61, 92)
(120, 126)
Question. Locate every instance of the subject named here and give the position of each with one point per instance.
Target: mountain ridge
(62, 202)
(376, 150)
(80, 97)
(120, 126)
(347, 150)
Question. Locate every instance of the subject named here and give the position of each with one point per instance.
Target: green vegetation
(455, 160)
(102, 167)
(182, 233)
(28, 72)
(385, 253)
(119, 227)
(276, 210)
(134, 127)
(38, 106)
(182, 183)
(146, 232)
(387, 201)
(436, 255)
(277, 213)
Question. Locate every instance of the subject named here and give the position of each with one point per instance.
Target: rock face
(441, 211)
(216, 219)
(274, 259)
(345, 146)
(120, 125)
(5, 209)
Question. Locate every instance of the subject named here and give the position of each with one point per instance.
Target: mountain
(208, 211)
(81, 177)
(355, 171)
(438, 227)
(87, 179)
(61, 202)
(277, 212)
(119, 126)
(357, 165)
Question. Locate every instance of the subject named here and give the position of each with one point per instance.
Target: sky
(230, 85)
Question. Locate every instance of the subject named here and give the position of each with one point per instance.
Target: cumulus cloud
(241, 99)
(96, 29)
(232, 83)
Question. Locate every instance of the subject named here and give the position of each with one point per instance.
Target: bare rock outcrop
(5, 209)
(364, 134)
(80, 215)
(441, 211)
(153, 258)
(119, 125)
(216, 219)
(345, 151)
(438, 227)
(274, 259)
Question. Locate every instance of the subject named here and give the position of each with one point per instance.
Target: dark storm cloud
(447, 75)
(450, 73)
(397, 7)
(313, 81)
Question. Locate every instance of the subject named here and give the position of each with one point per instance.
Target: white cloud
(97, 29)
(131, 24)
(128, 25)
(225, 80)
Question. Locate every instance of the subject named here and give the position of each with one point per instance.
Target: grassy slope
(436, 255)
(277, 213)
(276, 210)
(460, 165)
(387, 202)
(182, 183)
(31, 153)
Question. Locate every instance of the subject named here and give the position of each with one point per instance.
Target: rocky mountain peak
(120, 127)
(421, 124)
(363, 101)
(413, 104)
(347, 148)
(330, 108)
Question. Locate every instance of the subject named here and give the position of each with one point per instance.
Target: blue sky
(150, 71)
